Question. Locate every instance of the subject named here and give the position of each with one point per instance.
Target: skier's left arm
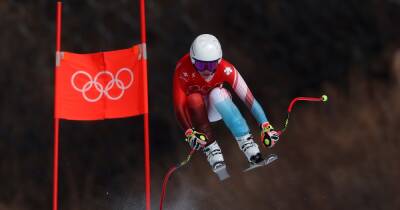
(268, 135)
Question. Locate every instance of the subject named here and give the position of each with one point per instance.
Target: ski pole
(323, 98)
(171, 171)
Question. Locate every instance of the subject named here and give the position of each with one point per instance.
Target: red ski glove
(269, 136)
(195, 139)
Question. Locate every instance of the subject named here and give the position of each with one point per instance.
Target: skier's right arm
(179, 103)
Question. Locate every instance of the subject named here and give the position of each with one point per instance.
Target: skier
(200, 98)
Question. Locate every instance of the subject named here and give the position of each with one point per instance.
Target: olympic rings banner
(100, 85)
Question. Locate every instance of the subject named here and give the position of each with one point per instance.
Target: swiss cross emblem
(228, 70)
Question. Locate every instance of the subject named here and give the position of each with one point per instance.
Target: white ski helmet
(205, 47)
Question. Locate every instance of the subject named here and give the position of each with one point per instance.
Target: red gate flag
(100, 85)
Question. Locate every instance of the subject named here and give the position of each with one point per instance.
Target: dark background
(340, 155)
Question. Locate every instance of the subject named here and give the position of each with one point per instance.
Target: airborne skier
(200, 98)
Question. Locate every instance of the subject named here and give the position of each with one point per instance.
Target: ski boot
(216, 160)
(253, 154)
(250, 149)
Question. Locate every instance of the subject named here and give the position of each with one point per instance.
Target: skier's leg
(197, 111)
(220, 98)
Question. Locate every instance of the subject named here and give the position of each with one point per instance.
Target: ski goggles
(205, 65)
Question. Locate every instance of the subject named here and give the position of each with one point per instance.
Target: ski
(271, 158)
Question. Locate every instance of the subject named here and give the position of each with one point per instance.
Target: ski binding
(271, 158)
